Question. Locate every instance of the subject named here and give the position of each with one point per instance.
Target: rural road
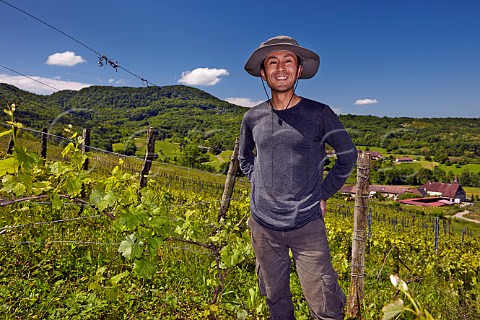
(461, 214)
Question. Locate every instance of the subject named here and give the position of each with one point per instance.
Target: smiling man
(282, 152)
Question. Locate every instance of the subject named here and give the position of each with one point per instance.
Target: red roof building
(451, 191)
(387, 191)
(432, 193)
(427, 202)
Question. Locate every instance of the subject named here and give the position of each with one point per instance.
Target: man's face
(281, 70)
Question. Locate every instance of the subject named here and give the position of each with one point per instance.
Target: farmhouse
(375, 155)
(392, 192)
(451, 191)
(430, 194)
(404, 160)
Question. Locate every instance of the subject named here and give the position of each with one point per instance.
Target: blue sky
(386, 58)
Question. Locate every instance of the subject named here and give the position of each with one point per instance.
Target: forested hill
(116, 113)
(184, 114)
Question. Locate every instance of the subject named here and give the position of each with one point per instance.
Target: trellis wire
(400, 224)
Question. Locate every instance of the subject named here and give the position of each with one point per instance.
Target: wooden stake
(43, 151)
(86, 146)
(149, 157)
(229, 182)
(356, 292)
(11, 143)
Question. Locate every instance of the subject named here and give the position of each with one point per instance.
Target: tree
(424, 175)
(192, 156)
(129, 148)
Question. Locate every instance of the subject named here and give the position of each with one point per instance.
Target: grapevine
(160, 252)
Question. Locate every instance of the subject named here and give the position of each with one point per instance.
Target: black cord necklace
(279, 113)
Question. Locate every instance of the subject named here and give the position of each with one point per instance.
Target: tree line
(189, 116)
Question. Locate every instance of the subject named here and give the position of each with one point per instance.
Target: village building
(375, 155)
(404, 160)
(451, 191)
(392, 192)
(428, 202)
(430, 194)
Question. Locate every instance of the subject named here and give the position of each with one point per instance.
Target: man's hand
(323, 207)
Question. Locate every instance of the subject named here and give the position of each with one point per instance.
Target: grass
(475, 168)
(383, 151)
(167, 149)
(217, 160)
(472, 167)
(472, 190)
(46, 279)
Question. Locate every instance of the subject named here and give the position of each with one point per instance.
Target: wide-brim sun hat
(310, 60)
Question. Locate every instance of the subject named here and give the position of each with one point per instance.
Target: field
(161, 252)
(420, 162)
(472, 190)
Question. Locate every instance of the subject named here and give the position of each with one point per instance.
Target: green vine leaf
(26, 160)
(154, 242)
(130, 248)
(103, 200)
(4, 133)
(392, 309)
(130, 219)
(7, 166)
(144, 269)
(59, 169)
(40, 187)
(57, 203)
(74, 186)
(12, 185)
(116, 279)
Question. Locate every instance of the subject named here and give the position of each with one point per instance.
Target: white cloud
(202, 77)
(36, 87)
(361, 102)
(64, 59)
(118, 82)
(244, 102)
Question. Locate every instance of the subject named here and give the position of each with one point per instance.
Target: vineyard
(92, 244)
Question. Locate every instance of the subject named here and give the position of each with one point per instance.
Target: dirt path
(461, 214)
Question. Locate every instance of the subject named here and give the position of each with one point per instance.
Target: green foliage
(183, 113)
(397, 306)
(173, 110)
(129, 148)
(161, 253)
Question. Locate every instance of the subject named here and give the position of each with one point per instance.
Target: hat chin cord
(269, 101)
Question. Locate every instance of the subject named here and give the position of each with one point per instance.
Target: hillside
(118, 113)
(184, 114)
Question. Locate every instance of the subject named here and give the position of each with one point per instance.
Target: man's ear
(299, 71)
(262, 73)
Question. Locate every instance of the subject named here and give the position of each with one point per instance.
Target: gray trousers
(311, 254)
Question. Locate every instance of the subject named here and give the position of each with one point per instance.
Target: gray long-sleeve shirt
(284, 162)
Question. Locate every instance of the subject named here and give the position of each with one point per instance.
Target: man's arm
(323, 207)
(337, 137)
(245, 154)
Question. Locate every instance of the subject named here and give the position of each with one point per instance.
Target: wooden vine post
(149, 157)
(356, 291)
(86, 146)
(229, 182)
(43, 150)
(11, 143)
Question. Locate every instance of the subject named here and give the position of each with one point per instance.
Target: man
(282, 153)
